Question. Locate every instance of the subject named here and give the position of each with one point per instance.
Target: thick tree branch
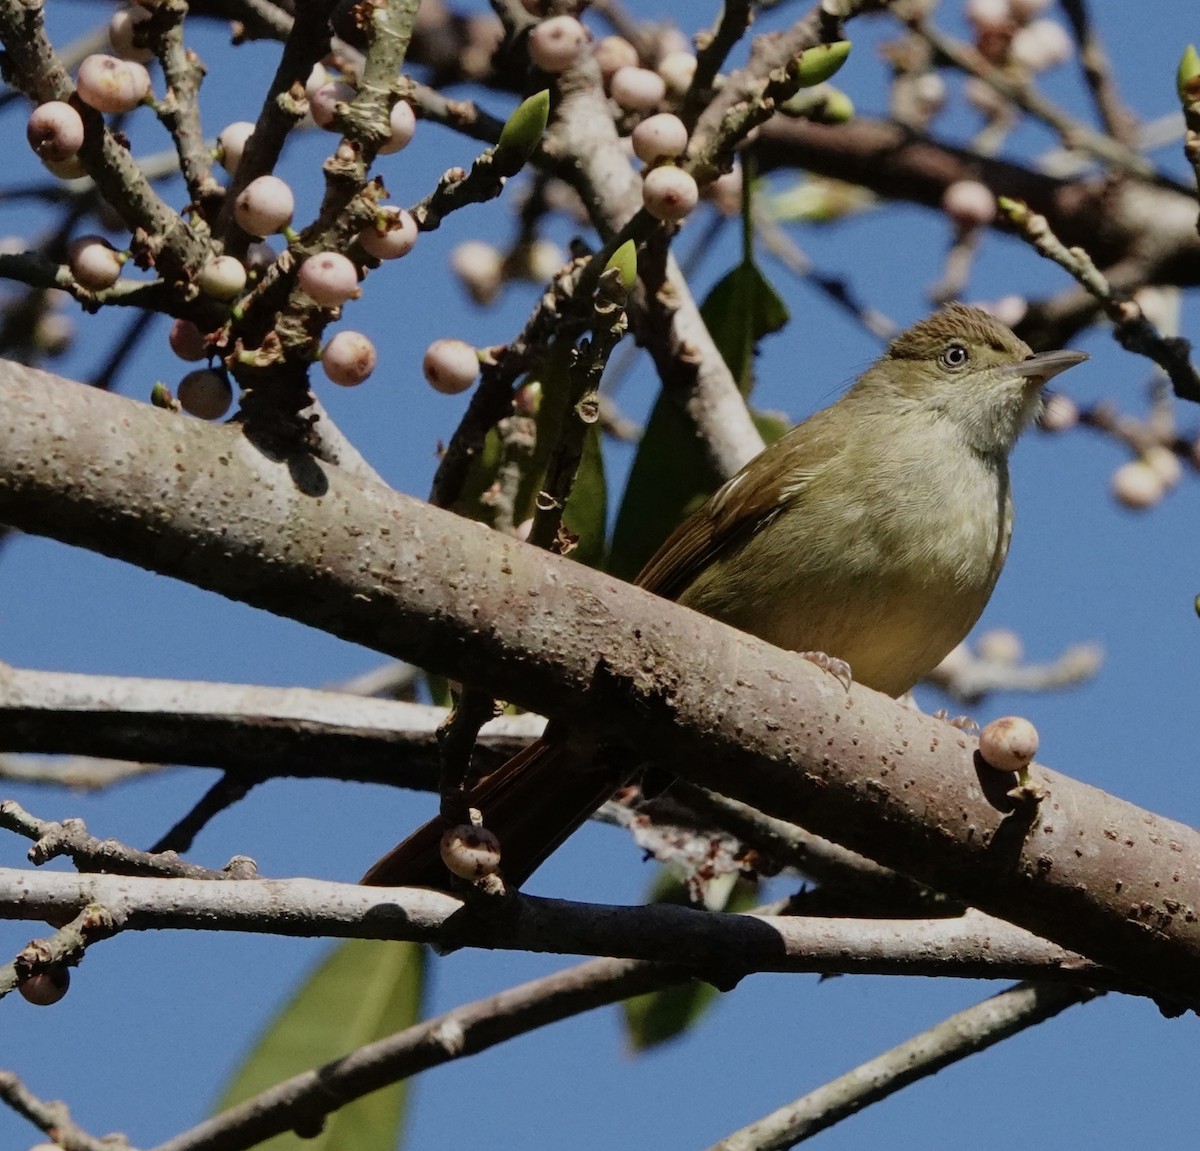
(1087, 870)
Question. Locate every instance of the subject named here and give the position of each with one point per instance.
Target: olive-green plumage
(872, 532)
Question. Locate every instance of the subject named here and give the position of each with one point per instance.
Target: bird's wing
(741, 506)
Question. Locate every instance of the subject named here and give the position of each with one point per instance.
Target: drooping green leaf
(659, 1016)
(671, 475)
(363, 990)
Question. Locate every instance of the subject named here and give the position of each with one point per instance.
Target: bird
(869, 537)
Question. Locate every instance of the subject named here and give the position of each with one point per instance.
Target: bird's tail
(532, 802)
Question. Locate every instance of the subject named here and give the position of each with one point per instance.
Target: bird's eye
(954, 356)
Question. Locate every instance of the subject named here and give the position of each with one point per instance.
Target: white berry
(669, 193)
(403, 124)
(329, 278)
(232, 143)
(555, 44)
(349, 358)
(450, 366)
(55, 131)
(94, 262)
(264, 206)
(1164, 463)
(660, 137)
(394, 239)
(1042, 45)
(638, 89)
(1008, 744)
(109, 84)
(1059, 413)
(205, 393)
(677, 70)
(470, 852)
(1137, 485)
(223, 278)
(480, 267)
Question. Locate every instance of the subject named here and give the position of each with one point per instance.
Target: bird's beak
(1043, 366)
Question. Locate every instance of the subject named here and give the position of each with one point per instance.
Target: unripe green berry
(817, 64)
(521, 134)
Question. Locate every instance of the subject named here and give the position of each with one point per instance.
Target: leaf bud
(522, 133)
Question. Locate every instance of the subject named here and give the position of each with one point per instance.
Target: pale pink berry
(638, 89)
(555, 44)
(231, 143)
(403, 124)
(1009, 310)
(329, 278)
(677, 70)
(94, 262)
(205, 394)
(614, 53)
(223, 278)
(395, 238)
(480, 267)
(969, 203)
(187, 341)
(1137, 485)
(324, 101)
(53, 334)
(349, 358)
(122, 34)
(1009, 743)
(540, 260)
(470, 852)
(112, 85)
(55, 131)
(264, 206)
(1042, 45)
(669, 193)
(660, 137)
(44, 988)
(1059, 413)
(450, 366)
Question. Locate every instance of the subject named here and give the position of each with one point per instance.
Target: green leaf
(740, 311)
(522, 132)
(364, 990)
(671, 475)
(659, 1016)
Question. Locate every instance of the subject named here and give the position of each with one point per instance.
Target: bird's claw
(960, 722)
(838, 668)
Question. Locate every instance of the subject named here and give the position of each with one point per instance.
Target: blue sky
(154, 1022)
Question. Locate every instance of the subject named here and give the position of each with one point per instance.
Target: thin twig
(1132, 330)
(54, 1119)
(964, 1033)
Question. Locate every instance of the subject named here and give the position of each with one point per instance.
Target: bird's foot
(838, 668)
(961, 722)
